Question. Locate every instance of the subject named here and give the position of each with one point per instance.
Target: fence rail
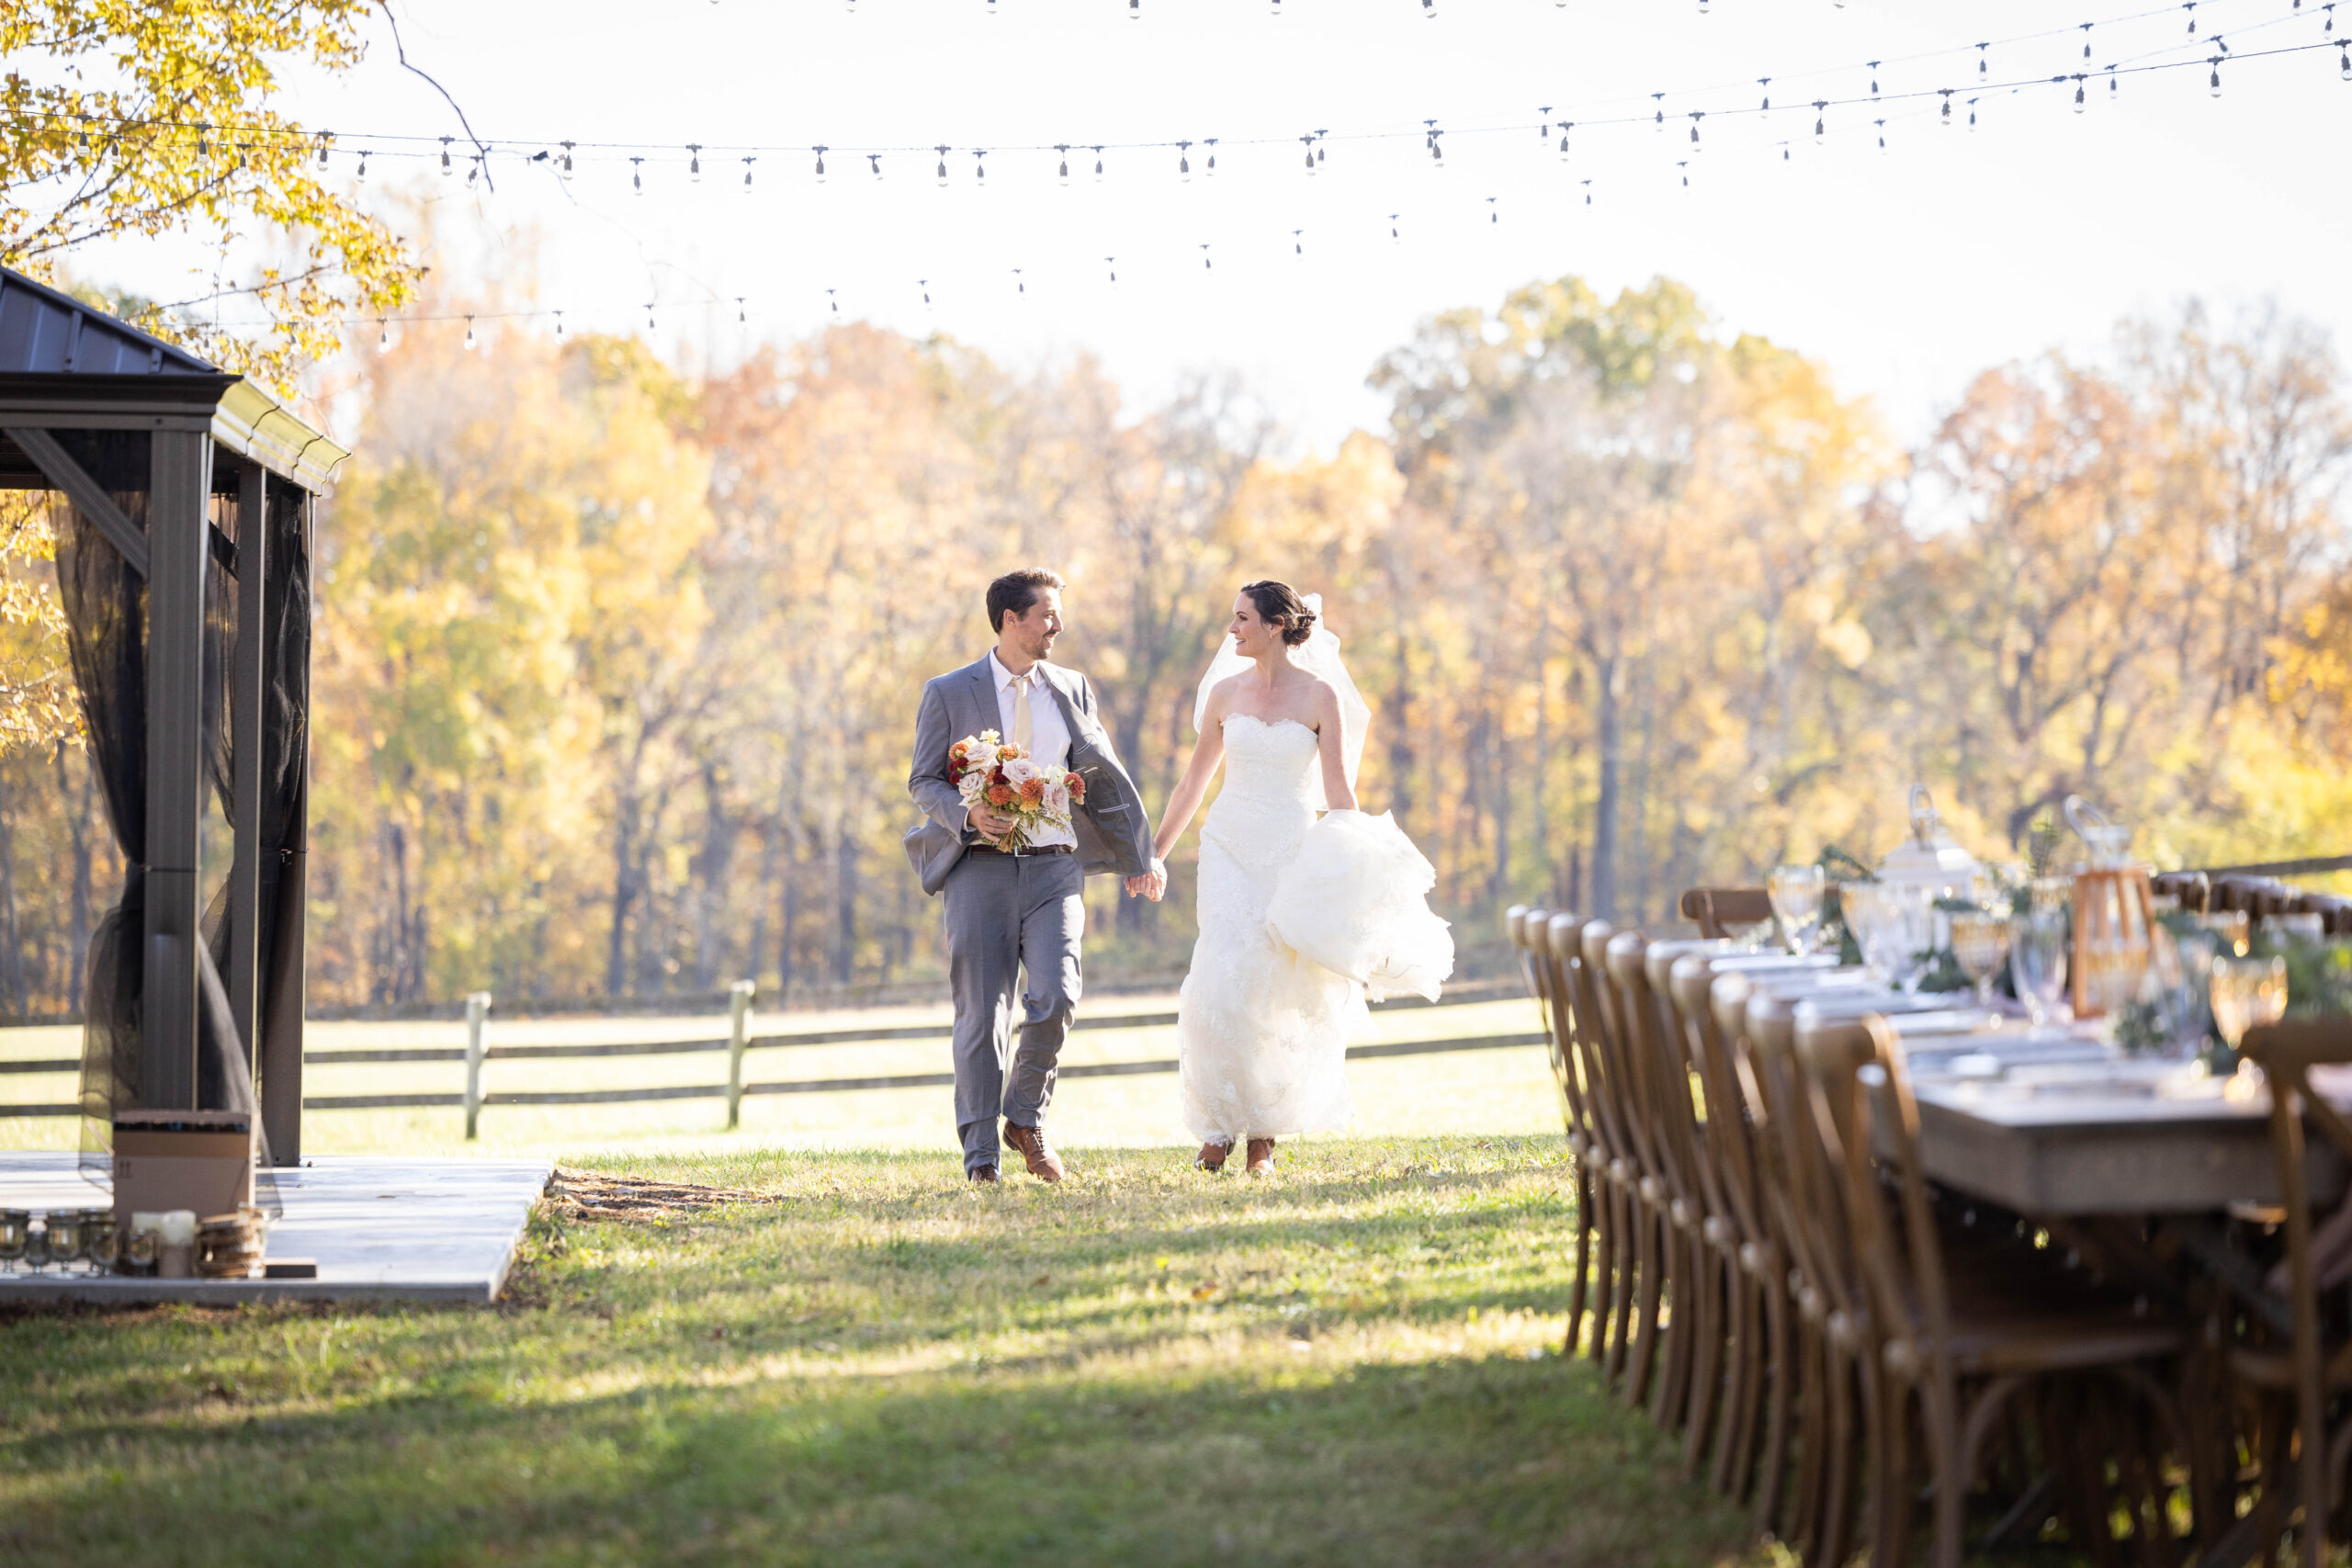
(740, 1041)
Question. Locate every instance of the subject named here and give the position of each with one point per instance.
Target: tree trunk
(624, 892)
(1609, 679)
(846, 906)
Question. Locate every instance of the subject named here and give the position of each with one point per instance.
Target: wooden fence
(738, 1043)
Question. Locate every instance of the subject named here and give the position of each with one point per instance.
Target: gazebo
(184, 561)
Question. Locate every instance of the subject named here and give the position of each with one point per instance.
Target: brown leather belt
(986, 849)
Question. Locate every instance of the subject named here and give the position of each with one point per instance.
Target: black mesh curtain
(106, 614)
(285, 727)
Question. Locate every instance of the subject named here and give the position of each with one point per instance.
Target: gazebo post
(180, 487)
(281, 1027)
(246, 727)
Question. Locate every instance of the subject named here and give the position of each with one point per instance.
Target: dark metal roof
(43, 330)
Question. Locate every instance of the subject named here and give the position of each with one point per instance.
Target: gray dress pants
(1007, 914)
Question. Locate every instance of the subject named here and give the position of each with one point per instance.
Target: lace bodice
(1269, 760)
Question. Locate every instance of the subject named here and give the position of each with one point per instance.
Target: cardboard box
(201, 1160)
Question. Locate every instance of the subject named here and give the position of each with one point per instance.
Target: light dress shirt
(1048, 736)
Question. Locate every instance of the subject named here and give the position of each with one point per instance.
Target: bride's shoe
(1212, 1157)
(1262, 1156)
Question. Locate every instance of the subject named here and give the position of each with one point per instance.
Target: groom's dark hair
(1015, 591)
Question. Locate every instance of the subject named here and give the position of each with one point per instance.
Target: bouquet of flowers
(988, 769)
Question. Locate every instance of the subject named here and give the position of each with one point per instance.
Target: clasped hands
(1152, 884)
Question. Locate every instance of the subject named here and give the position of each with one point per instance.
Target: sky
(1906, 270)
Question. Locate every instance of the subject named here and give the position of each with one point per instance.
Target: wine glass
(2037, 958)
(16, 1225)
(1980, 943)
(2246, 992)
(1796, 899)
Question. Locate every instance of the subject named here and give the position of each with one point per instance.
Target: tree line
(617, 668)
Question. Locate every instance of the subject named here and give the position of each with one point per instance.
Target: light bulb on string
(1766, 83)
(383, 336)
(563, 169)
(1494, 214)
(323, 147)
(1210, 167)
(924, 285)
(1183, 160)
(1984, 65)
(1098, 165)
(694, 161)
(1019, 286)
(1206, 265)
(1659, 99)
(1971, 113)
(819, 150)
(470, 335)
(2344, 63)
(943, 165)
(1587, 193)
(1564, 128)
(1309, 142)
(1784, 151)
(558, 324)
(1394, 236)
(2078, 92)
(1705, 6)
(1135, 10)
(1063, 148)
(1820, 121)
(2330, 9)
(1684, 164)
(2215, 80)
(2114, 85)
(1278, 7)
(637, 175)
(1881, 133)
(2191, 9)
(832, 303)
(874, 162)
(648, 315)
(444, 151)
(363, 162)
(1946, 121)
(850, 6)
(747, 176)
(979, 166)
(741, 318)
(1320, 135)
(1112, 263)
(1297, 244)
(1428, 8)
(2086, 37)
(1873, 79)
(1544, 131)
(991, 8)
(473, 171)
(1696, 115)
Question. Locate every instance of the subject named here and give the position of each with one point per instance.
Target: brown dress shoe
(985, 1173)
(1261, 1156)
(1044, 1163)
(1212, 1155)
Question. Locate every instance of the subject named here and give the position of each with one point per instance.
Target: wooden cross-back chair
(1639, 1292)
(1959, 1337)
(1530, 933)
(1722, 910)
(2297, 1379)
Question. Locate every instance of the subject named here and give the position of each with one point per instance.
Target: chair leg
(1578, 1281)
(1839, 1465)
(1736, 1426)
(1707, 1356)
(1891, 1537)
(1621, 1334)
(1646, 1224)
(1685, 1324)
(1813, 1435)
(1772, 1469)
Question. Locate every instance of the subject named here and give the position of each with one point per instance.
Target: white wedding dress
(1299, 918)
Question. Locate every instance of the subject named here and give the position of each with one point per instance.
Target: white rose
(1019, 772)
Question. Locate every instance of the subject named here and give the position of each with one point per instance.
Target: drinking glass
(2037, 958)
(1980, 944)
(2231, 925)
(16, 1225)
(2247, 992)
(101, 1243)
(35, 1250)
(64, 1237)
(1796, 899)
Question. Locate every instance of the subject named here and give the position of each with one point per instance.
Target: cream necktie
(1020, 727)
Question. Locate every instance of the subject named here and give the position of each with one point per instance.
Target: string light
(2215, 80)
(1392, 234)
(1297, 244)
(2078, 92)
(363, 164)
(874, 160)
(648, 315)
(2344, 63)
(1696, 115)
(1984, 64)
(1873, 78)
(819, 150)
(637, 175)
(1113, 263)
(1018, 287)
(1494, 214)
(562, 169)
(1183, 160)
(741, 318)
(834, 303)
(1684, 164)
(473, 170)
(1820, 110)
(1063, 148)
(1564, 128)
(1206, 265)
(1971, 113)
(470, 335)
(943, 165)
(1320, 135)
(323, 147)
(1881, 133)
(1309, 142)
(980, 166)
(1135, 10)
(924, 284)
(1428, 9)
(2191, 9)
(1210, 169)
(1587, 193)
(1098, 164)
(1659, 99)
(558, 324)
(383, 336)
(694, 161)
(2087, 36)
(444, 151)
(1947, 114)
(1766, 83)
(747, 176)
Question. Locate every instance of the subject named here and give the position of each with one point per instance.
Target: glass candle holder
(101, 1243)
(64, 1237)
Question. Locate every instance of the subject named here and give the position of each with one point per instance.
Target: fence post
(477, 1012)
(738, 1030)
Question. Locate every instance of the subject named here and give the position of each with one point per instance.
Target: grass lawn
(1353, 1361)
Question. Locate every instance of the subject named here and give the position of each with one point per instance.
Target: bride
(1299, 918)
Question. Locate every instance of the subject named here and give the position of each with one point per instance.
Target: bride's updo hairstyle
(1279, 606)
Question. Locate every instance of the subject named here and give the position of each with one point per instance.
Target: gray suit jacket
(1113, 833)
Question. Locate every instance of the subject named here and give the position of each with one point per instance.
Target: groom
(1011, 911)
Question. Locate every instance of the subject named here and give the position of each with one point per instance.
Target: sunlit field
(1505, 1090)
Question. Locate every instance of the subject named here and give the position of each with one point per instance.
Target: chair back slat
(1719, 910)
